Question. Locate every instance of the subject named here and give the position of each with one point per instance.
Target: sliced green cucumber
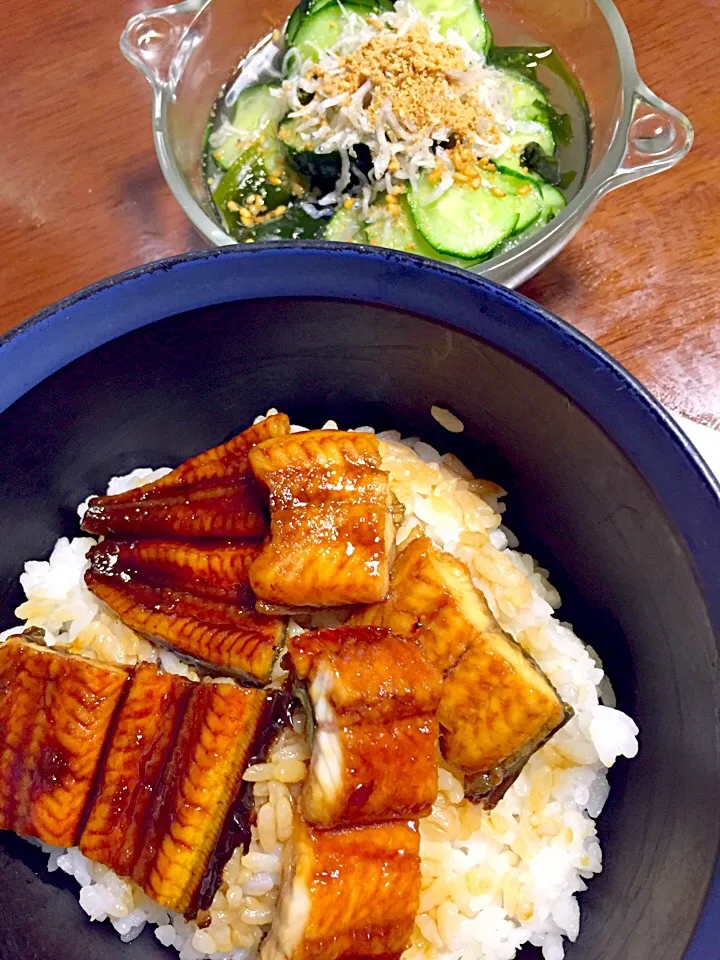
(512, 160)
(310, 163)
(261, 170)
(530, 110)
(293, 24)
(256, 108)
(398, 231)
(532, 160)
(307, 8)
(529, 101)
(321, 30)
(527, 196)
(463, 221)
(553, 201)
(346, 226)
(465, 17)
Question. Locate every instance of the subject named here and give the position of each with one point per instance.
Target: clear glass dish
(189, 50)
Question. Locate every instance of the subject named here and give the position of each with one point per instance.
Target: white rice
(490, 881)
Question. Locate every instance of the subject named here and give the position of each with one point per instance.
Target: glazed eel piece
(331, 527)
(171, 805)
(192, 594)
(216, 632)
(497, 706)
(217, 569)
(210, 495)
(142, 770)
(200, 796)
(373, 698)
(56, 710)
(347, 893)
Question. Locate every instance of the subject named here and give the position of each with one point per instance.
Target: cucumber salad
(399, 125)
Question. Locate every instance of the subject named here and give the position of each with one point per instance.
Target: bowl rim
(453, 298)
(545, 244)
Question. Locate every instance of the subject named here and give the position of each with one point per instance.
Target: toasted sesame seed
(498, 192)
(348, 202)
(524, 190)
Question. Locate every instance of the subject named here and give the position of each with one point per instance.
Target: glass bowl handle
(659, 136)
(151, 39)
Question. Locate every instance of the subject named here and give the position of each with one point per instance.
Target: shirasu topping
(420, 102)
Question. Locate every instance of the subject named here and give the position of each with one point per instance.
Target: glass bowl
(188, 52)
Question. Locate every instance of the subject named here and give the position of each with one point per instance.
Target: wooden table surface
(81, 196)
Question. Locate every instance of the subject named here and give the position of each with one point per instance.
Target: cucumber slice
(398, 232)
(250, 174)
(293, 25)
(310, 163)
(464, 17)
(320, 30)
(504, 205)
(512, 160)
(529, 101)
(530, 110)
(529, 201)
(307, 8)
(256, 108)
(465, 222)
(553, 201)
(346, 226)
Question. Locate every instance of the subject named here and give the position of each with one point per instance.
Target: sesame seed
(498, 192)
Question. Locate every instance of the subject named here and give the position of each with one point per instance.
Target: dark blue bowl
(163, 361)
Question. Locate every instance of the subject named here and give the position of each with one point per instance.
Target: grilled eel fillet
(198, 787)
(375, 747)
(219, 570)
(145, 731)
(216, 632)
(497, 707)
(331, 528)
(210, 495)
(55, 713)
(347, 893)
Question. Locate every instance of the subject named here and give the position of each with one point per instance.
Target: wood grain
(81, 195)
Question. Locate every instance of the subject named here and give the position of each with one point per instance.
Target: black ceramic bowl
(155, 365)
